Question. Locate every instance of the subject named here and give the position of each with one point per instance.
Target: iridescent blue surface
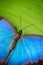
(6, 39)
(27, 49)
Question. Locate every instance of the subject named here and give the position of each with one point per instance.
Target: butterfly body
(18, 49)
(17, 37)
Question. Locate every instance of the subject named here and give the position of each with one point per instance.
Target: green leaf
(31, 11)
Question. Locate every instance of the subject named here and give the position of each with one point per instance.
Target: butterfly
(18, 49)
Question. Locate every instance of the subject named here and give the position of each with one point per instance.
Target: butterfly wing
(27, 50)
(6, 38)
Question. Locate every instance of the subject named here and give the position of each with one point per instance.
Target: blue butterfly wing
(6, 38)
(27, 50)
(41, 48)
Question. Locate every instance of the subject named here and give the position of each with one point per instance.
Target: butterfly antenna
(27, 26)
(20, 23)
